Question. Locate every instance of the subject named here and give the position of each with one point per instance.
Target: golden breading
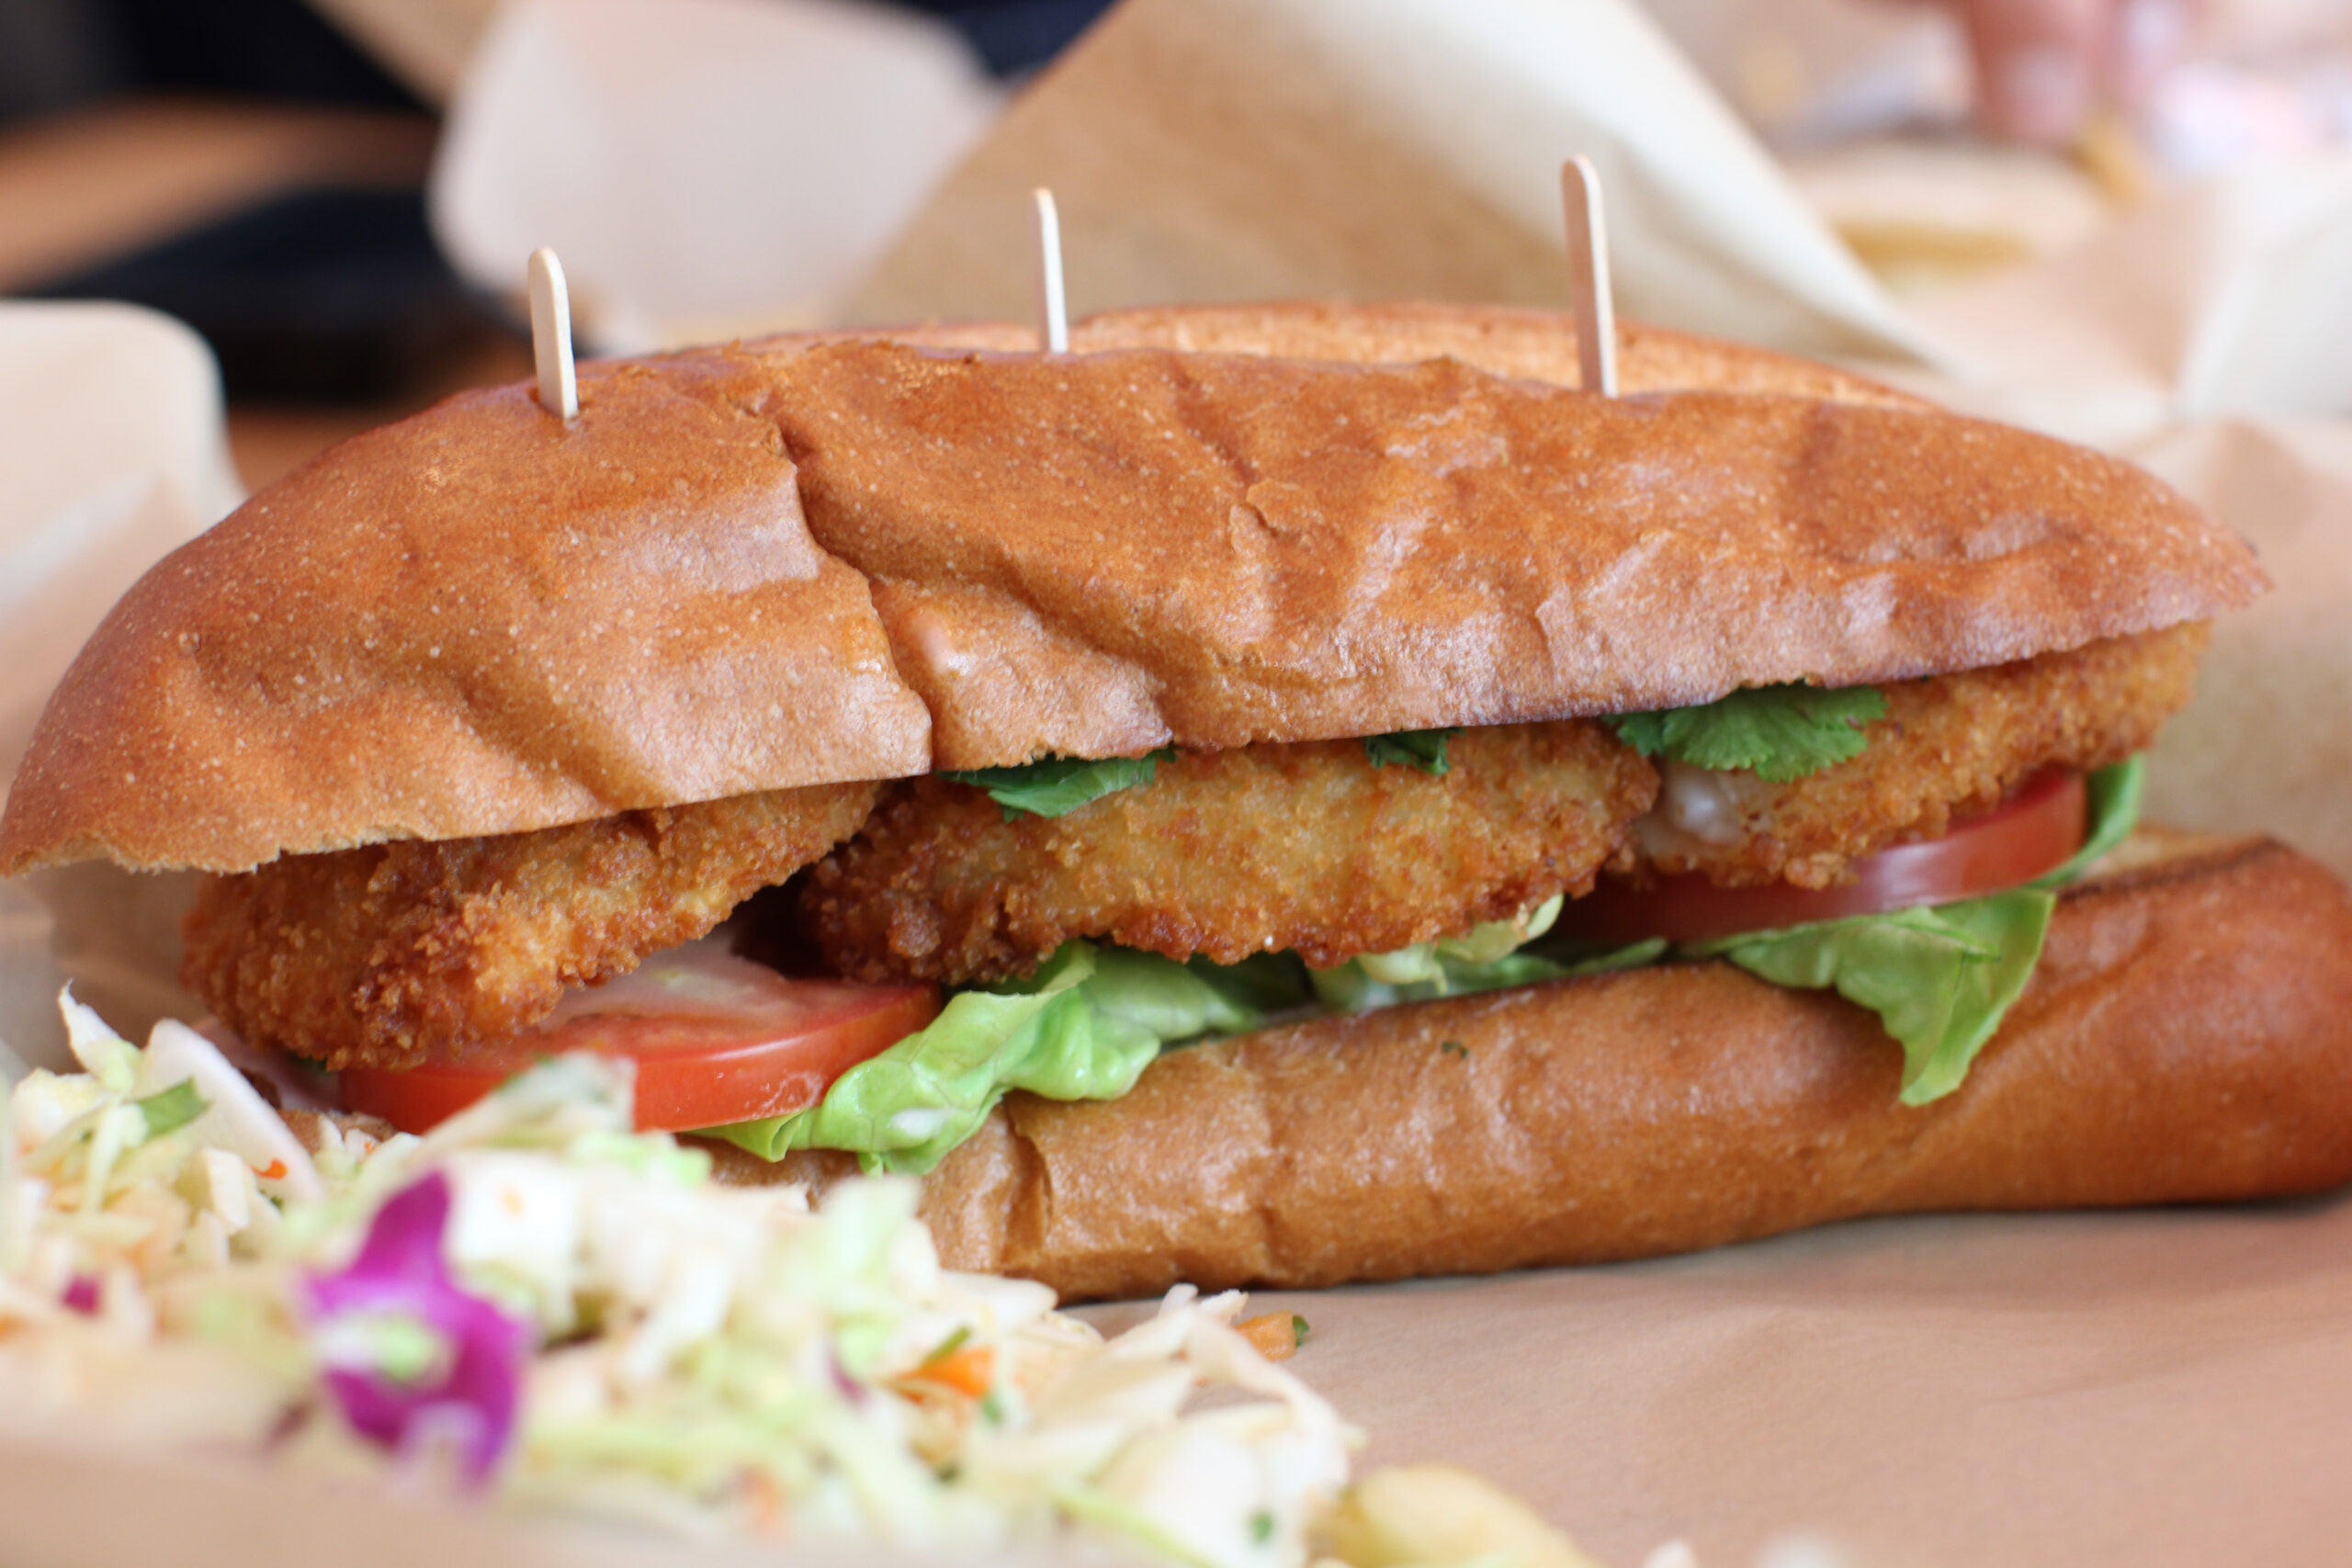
(371, 956)
(1308, 847)
(1949, 745)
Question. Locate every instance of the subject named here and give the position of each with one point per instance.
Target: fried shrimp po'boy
(1228, 813)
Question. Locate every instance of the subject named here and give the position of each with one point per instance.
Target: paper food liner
(706, 168)
(2152, 1387)
(2146, 1387)
(114, 454)
(1219, 150)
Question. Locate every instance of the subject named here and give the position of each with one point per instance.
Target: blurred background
(258, 169)
(337, 195)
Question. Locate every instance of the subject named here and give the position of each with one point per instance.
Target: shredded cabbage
(693, 1355)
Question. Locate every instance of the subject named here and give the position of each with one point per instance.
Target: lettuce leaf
(1060, 785)
(2115, 795)
(1940, 979)
(1778, 733)
(1422, 749)
(1485, 958)
(1083, 1027)
(1349, 989)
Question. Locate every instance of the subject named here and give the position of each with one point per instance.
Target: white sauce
(1702, 803)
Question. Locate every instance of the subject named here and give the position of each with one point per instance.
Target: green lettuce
(1940, 979)
(1083, 1027)
(2115, 794)
(1422, 749)
(1350, 988)
(1775, 732)
(1485, 958)
(1060, 785)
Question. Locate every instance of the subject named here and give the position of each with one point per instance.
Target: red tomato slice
(715, 1039)
(2032, 831)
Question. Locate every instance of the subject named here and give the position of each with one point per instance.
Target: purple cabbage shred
(471, 1395)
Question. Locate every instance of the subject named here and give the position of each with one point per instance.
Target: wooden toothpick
(551, 336)
(1589, 267)
(1053, 310)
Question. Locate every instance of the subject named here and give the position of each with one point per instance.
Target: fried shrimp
(1306, 846)
(1949, 745)
(369, 956)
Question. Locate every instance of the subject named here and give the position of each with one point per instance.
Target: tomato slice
(715, 1039)
(2032, 833)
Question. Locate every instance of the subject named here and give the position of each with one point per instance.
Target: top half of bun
(805, 560)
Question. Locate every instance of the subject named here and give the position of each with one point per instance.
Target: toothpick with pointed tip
(1589, 267)
(1053, 310)
(551, 336)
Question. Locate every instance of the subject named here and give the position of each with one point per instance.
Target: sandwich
(1280, 796)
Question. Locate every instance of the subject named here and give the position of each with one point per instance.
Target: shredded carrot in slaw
(971, 1373)
(1277, 1335)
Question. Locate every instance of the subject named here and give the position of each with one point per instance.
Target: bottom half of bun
(2186, 1037)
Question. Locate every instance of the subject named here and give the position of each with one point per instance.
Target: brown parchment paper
(1379, 149)
(2149, 1388)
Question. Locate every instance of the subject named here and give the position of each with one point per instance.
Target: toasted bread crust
(2186, 1038)
(1523, 345)
(1222, 551)
(1094, 555)
(477, 621)
(1513, 342)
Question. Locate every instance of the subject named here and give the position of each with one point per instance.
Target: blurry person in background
(2044, 67)
(56, 55)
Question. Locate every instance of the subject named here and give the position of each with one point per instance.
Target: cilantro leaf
(1060, 785)
(1422, 749)
(1778, 733)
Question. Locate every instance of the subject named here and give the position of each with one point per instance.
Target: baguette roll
(730, 576)
(2187, 1037)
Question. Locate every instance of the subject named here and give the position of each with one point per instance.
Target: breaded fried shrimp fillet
(365, 956)
(1305, 846)
(1949, 745)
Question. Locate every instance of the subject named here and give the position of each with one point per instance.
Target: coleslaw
(537, 1306)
